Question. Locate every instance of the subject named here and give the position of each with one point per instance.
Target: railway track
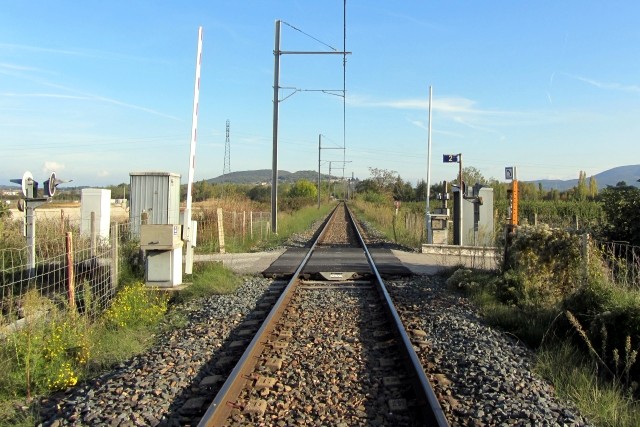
(330, 352)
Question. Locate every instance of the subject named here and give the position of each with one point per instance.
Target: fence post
(71, 292)
(220, 230)
(93, 234)
(244, 225)
(114, 258)
(251, 224)
(585, 258)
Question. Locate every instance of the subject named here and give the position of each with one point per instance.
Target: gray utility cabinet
(157, 195)
(477, 216)
(162, 245)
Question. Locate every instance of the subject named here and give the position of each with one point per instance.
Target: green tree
(527, 191)
(541, 193)
(421, 190)
(581, 191)
(593, 187)
(471, 176)
(367, 186)
(621, 205)
(303, 188)
(384, 178)
(403, 191)
(260, 193)
(202, 190)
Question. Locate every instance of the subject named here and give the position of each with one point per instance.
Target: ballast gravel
(482, 376)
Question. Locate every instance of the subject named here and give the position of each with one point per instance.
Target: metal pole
(319, 148)
(187, 232)
(31, 238)
(428, 210)
(329, 188)
(274, 166)
(460, 226)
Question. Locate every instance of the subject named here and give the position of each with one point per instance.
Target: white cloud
(608, 85)
(49, 167)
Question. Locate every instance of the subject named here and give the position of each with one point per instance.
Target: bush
(260, 193)
(304, 189)
(292, 204)
(542, 266)
(375, 198)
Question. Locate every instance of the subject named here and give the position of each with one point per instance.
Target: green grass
(111, 347)
(288, 223)
(529, 326)
(574, 378)
(405, 229)
(295, 222)
(209, 278)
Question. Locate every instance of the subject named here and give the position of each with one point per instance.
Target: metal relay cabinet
(163, 249)
(157, 195)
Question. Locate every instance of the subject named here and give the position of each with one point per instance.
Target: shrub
(542, 266)
(303, 188)
(375, 198)
(292, 204)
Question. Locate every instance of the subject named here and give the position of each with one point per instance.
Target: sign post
(510, 174)
(457, 158)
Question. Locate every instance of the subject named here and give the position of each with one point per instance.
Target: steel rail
(431, 409)
(225, 400)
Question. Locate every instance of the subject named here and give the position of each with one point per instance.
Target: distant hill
(264, 176)
(629, 174)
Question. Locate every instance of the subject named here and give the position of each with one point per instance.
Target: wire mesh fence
(622, 262)
(221, 230)
(64, 266)
(83, 269)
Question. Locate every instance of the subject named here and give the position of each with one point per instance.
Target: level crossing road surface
(257, 262)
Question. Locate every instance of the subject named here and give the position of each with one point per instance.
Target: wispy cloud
(608, 85)
(450, 105)
(84, 53)
(92, 98)
(16, 67)
(462, 112)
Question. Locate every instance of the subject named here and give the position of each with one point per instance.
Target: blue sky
(95, 90)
